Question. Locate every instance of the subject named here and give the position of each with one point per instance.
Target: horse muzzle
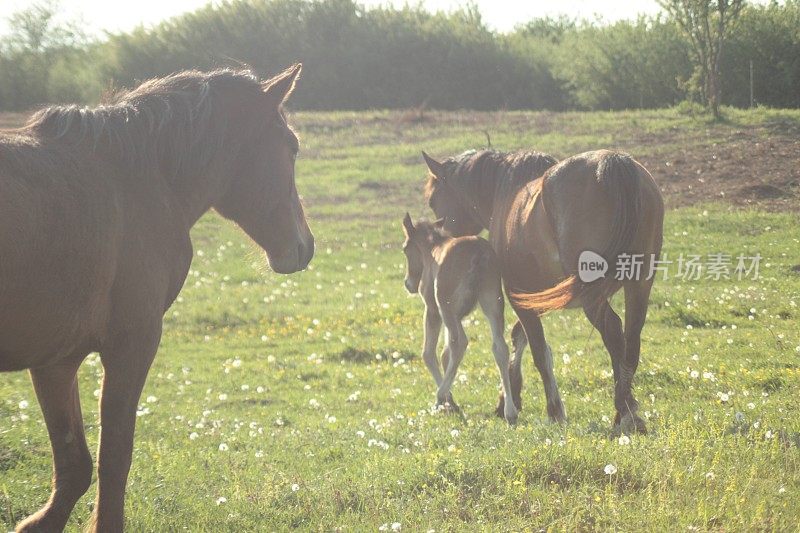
(411, 287)
(295, 259)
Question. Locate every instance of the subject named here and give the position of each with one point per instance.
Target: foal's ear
(279, 88)
(439, 224)
(408, 225)
(436, 168)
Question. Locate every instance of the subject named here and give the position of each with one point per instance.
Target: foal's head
(262, 197)
(419, 243)
(443, 199)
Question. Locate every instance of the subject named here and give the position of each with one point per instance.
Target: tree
(706, 23)
(41, 58)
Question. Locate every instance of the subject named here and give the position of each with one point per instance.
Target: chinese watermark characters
(686, 267)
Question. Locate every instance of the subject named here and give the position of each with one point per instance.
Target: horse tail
(557, 297)
(618, 174)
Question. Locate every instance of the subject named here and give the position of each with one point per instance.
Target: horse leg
(456, 340)
(543, 359)
(637, 296)
(607, 322)
(57, 390)
(125, 367)
(493, 306)
(518, 340)
(433, 325)
(445, 363)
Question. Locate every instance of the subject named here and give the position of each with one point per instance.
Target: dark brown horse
(541, 217)
(96, 207)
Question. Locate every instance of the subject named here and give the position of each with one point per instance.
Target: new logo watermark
(591, 266)
(691, 267)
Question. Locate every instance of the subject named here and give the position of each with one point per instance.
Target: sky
(97, 16)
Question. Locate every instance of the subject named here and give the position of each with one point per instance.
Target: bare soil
(747, 169)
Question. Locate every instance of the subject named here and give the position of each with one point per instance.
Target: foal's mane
(164, 125)
(432, 234)
(479, 170)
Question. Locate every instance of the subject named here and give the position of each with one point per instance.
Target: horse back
(583, 210)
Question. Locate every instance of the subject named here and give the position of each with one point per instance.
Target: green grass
(313, 387)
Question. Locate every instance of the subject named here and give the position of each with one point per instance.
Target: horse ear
(408, 225)
(436, 168)
(439, 224)
(279, 88)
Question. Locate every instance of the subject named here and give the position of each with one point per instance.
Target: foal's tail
(619, 176)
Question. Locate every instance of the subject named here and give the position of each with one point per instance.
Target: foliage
(769, 36)
(386, 57)
(706, 24)
(44, 59)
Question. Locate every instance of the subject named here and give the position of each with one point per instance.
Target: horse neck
(195, 195)
(195, 189)
(478, 197)
(504, 193)
(430, 269)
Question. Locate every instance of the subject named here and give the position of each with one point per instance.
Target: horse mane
(433, 235)
(164, 125)
(477, 170)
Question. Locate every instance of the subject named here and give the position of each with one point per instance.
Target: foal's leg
(543, 359)
(518, 340)
(445, 363)
(57, 390)
(637, 296)
(433, 325)
(456, 340)
(493, 306)
(126, 365)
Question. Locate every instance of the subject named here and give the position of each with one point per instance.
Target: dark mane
(432, 234)
(163, 125)
(476, 170)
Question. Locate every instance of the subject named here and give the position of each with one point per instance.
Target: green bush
(359, 58)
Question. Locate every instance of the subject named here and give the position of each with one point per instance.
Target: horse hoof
(631, 423)
(447, 407)
(512, 419)
(557, 413)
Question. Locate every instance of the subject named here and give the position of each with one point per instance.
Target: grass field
(301, 401)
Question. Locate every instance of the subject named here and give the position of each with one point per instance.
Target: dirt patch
(757, 167)
(762, 191)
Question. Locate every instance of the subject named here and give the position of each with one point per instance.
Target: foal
(452, 275)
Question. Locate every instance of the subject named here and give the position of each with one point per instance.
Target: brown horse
(96, 208)
(452, 275)
(541, 216)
